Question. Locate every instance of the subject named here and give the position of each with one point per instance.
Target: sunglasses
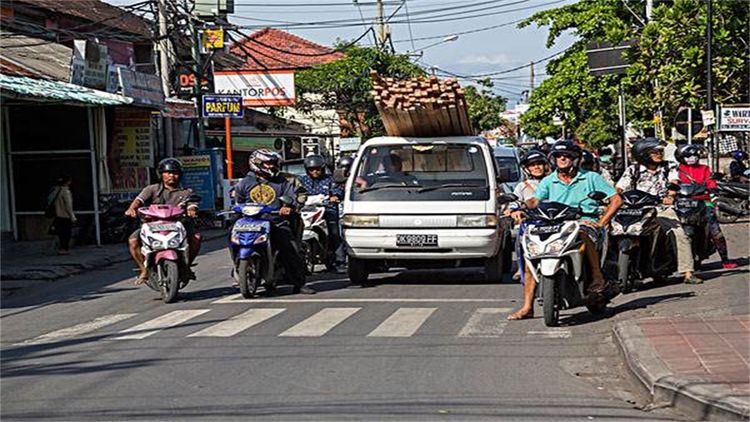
(314, 169)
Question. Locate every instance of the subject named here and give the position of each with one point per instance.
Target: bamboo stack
(421, 107)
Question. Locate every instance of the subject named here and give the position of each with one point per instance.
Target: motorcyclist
(652, 174)
(317, 182)
(570, 185)
(737, 168)
(536, 167)
(264, 185)
(590, 162)
(692, 171)
(167, 191)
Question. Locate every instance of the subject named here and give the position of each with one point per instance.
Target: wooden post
(228, 146)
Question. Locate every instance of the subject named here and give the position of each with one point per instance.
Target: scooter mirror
(597, 195)
(506, 197)
(286, 200)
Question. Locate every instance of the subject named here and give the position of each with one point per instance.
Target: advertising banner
(258, 89)
(130, 153)
(89, 65)
(198, 176)
(349, 144)
(143, 88)
(222, 106)
(734, 119)
(213, 38)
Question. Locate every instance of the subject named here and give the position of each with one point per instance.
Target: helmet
(531, 157)
(569, 148)
(261, 156)
(169, 165)
(346, 162)
(643, 148)
(739, 155)
(685, 151)
(314, 161)
(588, 160)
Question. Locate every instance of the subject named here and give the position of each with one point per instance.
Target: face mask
(692, 160)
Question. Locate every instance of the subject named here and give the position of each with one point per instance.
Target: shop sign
(734, 119)
(143, 88)
(186, 82)
(258, 89)
(248, 143)
(349, 144)
(222, 106)
(130, 153)
(213, 39)
(89, 66)
(310, 146)
(179, 109)
(197, 175)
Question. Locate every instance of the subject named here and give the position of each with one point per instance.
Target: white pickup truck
(425, 203)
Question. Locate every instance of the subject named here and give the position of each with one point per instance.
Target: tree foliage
(344, 85)
(668, 70)
(484, 106)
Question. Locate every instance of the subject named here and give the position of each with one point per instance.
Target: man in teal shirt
(571, 186)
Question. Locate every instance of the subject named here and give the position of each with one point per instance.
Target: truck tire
(358, 271)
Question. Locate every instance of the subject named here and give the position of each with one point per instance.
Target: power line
(408, 19)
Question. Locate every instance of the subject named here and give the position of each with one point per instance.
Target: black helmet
(690, 150)
(312, 161)
(588, 160)
(169, 165)
(532, 157)
(643, 148)
(565, 147)
(345, 162)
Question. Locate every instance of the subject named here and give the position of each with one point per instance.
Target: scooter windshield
(553, 212)
(637, 198)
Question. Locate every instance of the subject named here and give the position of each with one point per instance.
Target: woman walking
(62, 199)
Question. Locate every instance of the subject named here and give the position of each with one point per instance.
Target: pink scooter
(165, 249)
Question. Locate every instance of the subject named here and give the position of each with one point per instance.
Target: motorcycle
(165, 249)
(551, 245)
(115, 225)
(637, 237)
(732, 201)
(692, 215)
(315, 234)
(255, 263)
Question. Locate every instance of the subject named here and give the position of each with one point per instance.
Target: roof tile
(273, 49)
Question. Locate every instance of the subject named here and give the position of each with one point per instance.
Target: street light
(447, 39)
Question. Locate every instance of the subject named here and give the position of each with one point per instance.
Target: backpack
(50, 211)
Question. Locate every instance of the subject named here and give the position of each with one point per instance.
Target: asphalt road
(423, 345)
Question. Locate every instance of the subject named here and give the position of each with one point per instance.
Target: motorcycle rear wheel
(723, 216)
(550, 304)
(169, 284)
(248, 276)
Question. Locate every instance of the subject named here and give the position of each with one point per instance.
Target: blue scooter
(250, 247)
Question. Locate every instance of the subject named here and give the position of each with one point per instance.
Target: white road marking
(235, 299)
(238, 323)
(551, 333)
(485, 322)
(155, 325)
(402, 323)
(320, 323)
(78, 329)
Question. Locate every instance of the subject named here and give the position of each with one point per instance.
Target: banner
(734, 119)
(258, 89)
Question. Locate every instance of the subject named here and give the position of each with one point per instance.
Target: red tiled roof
(95, 11)
(273, 49)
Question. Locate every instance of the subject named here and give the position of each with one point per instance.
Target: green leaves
(484, 106)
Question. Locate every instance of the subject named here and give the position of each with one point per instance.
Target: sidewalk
(26, 264)
(699, 365)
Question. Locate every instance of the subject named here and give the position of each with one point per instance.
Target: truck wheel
(357, 271)
(549, 302)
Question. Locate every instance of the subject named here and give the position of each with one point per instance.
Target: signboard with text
(222, 106)
(349, 144)
(198, 176)
(143, 88)
(734, 119)
(258, 89)
(130, 152)
(310, 146)
(186, 82)
(89, 66)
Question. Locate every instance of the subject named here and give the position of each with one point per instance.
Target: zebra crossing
(403, 322)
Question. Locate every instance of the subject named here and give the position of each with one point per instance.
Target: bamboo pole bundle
(422, 107)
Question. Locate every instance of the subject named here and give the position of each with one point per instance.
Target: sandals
(693, 280)
(516, 316)
(140, 280)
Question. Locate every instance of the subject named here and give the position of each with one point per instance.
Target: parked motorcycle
(692, 215)
(255, 263)
(315, 235)
(165, 249)
(116, 227)
(637, 237)
(550, 242)
(732, 201)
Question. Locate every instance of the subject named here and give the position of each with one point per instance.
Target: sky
(497, 49)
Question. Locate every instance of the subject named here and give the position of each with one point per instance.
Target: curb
(693, 397)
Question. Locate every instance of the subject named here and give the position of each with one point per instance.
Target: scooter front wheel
(170, 280)
(248, 274)
(550, 304)
(624, 278)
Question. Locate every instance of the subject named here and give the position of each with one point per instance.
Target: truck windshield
(421, 172)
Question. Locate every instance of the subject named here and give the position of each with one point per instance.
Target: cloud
(491, 59)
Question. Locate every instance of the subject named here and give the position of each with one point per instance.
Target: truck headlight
(354, 220)
(486, 220)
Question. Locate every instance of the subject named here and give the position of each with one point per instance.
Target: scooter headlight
(532, 248)
(636, 228)
(174, 242)
(234, 238)
(261, 239)
(559, 245)
(154, 244)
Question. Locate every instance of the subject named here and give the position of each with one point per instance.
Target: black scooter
(732, 200)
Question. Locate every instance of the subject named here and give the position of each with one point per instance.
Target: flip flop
(516, 317)
(140, 280)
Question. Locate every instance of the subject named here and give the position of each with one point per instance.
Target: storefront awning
(56, 91)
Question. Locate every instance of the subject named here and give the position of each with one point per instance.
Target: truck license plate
(416, 240)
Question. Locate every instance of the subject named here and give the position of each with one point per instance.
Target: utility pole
(649, 9)
(198, 73)
(380, 23)
(709, 83)
(165, 49)
(532, 79)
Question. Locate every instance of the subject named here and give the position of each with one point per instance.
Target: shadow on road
(585, 317)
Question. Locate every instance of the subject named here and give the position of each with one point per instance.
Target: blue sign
(198, 175)
(222, 106)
